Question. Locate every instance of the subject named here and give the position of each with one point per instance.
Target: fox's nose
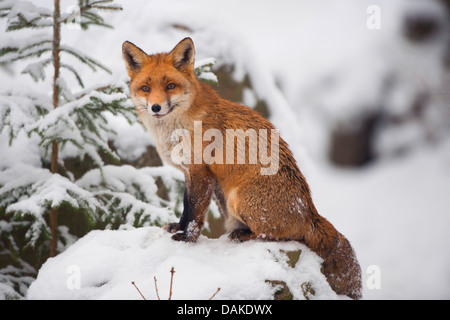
(156, 108)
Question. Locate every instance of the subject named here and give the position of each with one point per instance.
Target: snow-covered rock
(103, 265)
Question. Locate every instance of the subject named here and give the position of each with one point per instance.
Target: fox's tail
(340, 266)
(342, 269)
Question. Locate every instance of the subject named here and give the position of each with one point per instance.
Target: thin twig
(172, 271)
(218, 289)
(156, 288)
(132, 282)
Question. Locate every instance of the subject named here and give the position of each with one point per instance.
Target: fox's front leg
(199, 186)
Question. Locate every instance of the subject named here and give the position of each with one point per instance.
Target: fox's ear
(183, 55)
(134, 58)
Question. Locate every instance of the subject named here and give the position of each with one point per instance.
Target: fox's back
(282, 191)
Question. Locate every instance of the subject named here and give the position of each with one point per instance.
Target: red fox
(273, 206)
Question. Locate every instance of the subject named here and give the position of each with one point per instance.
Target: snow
(132, 141)
(405, 235)
(135, 190)
(26, 9)
(25, 46)
(396, 215)
(205, 67)
(18, 111)
(103, 264)
(45, 190)
(9, 281)
(49, 188)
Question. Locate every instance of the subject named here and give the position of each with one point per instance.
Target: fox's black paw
(183, 236)
(190, 234)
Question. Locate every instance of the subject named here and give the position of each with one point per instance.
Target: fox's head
(162, 84)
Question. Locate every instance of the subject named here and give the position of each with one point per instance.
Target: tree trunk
(55, 146)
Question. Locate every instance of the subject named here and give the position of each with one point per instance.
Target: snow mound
(103, 265)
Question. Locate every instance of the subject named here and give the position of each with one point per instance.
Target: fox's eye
(170, 86)
(145, 89)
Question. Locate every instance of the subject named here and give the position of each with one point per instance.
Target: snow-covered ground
(396, 211)
(395, 214)
(103, 264)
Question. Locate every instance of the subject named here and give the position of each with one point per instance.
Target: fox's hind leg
(240, 235)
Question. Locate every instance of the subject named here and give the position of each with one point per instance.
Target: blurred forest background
(359, 89)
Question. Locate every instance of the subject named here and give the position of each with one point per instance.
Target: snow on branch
(129, 195)
(21, 48)
(31, 191)
(18, 110)
(24, 14)
(12, 277)
(203, 70)
(36, 70)
(91, 62)
(88, 13)
(74, 72)
(82, 122)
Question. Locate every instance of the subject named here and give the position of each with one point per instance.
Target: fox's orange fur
(168, 96)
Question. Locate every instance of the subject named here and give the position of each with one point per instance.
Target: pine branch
(21, 23)
(129, 195)
(24, 14)
(29, 191)
(92, 63)
(74, 72)
(82, 122)
(18, 110)
(203, 70)
(36, 70)
(12, 53)
(99, 5)
(88, 13)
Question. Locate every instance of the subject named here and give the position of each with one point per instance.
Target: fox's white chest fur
(166, 135)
